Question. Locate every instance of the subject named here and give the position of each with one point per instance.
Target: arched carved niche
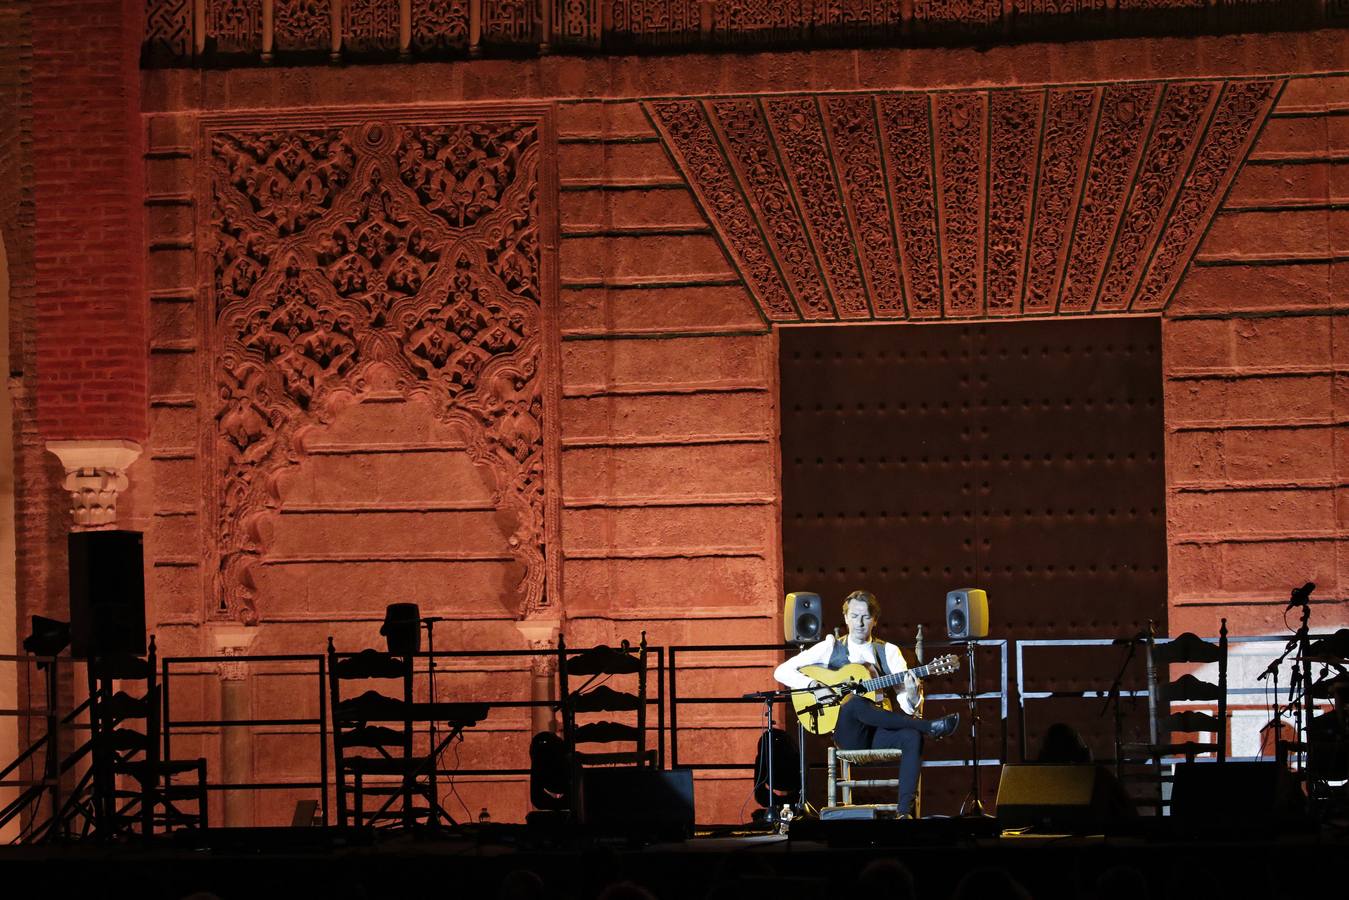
(399, 257)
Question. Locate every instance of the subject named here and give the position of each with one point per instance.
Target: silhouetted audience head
(626, 890)
(886, 879)
(1121, 883)
(990, 883)
(522, 884)
(1062, 745)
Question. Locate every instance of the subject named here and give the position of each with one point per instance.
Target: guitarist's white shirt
(789, 673)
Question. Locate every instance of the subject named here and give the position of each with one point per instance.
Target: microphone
(1140, 638)
(1300, 596)
(1271, 669)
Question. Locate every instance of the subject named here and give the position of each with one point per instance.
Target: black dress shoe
(945, 725)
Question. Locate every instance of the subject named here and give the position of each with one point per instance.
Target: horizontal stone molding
(664, 552)
(631, 388)
(682, 500)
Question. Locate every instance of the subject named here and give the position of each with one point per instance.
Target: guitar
(818, 710)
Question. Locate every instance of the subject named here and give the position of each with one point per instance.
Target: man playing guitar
(862, 724)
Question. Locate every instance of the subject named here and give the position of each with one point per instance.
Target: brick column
(89, 237)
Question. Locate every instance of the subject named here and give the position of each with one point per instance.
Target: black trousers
(862, 725)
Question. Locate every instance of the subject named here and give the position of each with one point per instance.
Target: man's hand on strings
(910, 691)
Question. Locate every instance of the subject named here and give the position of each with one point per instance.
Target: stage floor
(816, 861)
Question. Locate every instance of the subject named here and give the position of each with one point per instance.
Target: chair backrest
(592, 663)
(354, 735)
(1188, 648)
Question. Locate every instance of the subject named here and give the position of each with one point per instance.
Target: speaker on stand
(802, 618)
(967, 621)
(802, 623)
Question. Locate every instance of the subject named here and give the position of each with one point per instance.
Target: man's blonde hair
(869, 599)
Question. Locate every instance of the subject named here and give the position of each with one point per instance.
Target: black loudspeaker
(549, 772)
(967, 614)
(1060, 798)
(802, 618)
(402, 629)
(1235, 794)
(638, 802)
(107, 593)
(786, 769)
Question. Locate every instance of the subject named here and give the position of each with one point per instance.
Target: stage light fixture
(402, 628)
(48, 638)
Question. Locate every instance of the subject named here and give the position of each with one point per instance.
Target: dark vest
(839, 657)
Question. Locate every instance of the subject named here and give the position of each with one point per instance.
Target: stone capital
(541, 635)
(95, 475)
(232, 641)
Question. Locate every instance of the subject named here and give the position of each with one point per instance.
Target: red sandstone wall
(1256, 406)
(669, 470)
(668, 484)
(1255, 349)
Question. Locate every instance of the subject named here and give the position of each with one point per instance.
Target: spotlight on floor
(402, 628)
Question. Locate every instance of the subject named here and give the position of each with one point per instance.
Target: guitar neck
(888, 681)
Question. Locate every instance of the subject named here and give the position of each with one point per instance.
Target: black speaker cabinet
(802, 618)
(1064, 799)
(1234, 794)
(107, 593)
(638, 802)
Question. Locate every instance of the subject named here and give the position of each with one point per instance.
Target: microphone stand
(973, 804)
(434, 812)
(769, 698)
(1113, 697)
(770, 816)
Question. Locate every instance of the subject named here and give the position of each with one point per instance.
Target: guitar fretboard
(887, 681)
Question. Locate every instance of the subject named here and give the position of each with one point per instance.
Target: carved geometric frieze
(439, 25)
(653, 20)
(402, 254)
(1050, 200)
(574, 24)
(370, 26)
(301, 25)
(234, 26)
(511, 21)
(963, 12)
(168, 28)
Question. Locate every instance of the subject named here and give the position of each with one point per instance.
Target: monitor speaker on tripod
(802, 618)
(967, 614)
(107, 593)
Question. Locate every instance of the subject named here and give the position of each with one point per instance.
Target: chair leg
(833, 777)
(845, 769)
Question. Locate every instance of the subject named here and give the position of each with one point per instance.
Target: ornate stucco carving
(964, 203)
(399, 253)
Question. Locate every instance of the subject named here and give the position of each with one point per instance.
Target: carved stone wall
(435, 27)
(365, 260)
(668, 285)
(1069, 199)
